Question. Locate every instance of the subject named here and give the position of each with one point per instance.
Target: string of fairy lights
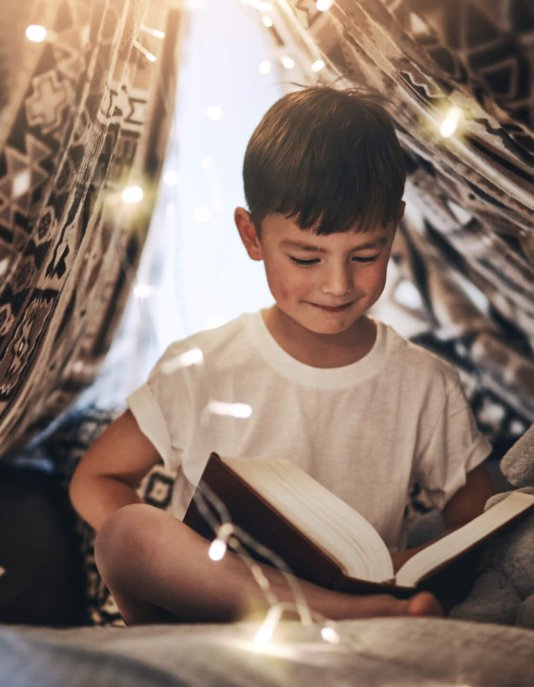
(227, 535)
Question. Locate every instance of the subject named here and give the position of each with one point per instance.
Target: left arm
(469, 501)
(466, 504)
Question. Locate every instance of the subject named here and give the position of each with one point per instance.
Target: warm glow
(132, 195)
(318, 65)
(324, 5)
(450, 123)
(238, 410)
(288, 62)
(329, 634)
(149, 56)
(193, 356)
(21, 183)
(153, 32)
(267, 21)
(266, 630)
(265, 67)
(36, 33)
(217, 549)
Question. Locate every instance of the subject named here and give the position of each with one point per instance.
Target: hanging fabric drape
(86, 102)
(467, 242)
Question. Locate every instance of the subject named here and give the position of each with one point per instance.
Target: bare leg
(158, 569)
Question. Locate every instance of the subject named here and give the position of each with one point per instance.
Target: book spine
(250, 512)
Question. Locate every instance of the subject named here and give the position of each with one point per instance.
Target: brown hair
(327, 158)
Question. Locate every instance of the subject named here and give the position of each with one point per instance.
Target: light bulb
(21, 183)
(217, 549)
(153, 32)
(451, 122)
(288, 62)
(329, 634)
(265, 632)
(36, 33)
(318, 65)
(149, 56)
(132, 195)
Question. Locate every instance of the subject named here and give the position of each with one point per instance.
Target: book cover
(450, 577)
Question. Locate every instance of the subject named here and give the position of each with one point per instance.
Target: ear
(401, 211)
(248, 233)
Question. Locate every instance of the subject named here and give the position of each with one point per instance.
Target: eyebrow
(310, 248)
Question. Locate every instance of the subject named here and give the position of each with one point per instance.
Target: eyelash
(315, 261)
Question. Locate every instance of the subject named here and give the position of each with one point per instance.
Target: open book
(321, 538)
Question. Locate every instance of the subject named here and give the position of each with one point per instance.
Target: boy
(360, 408)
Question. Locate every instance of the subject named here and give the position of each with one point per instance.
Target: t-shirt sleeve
(454, 448)
(160, 406)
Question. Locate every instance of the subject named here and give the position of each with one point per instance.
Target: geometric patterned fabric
(88, 114)
(467, 242)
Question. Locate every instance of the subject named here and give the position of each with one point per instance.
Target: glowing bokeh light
(153, 32)
(264, 67)
(324, 5)
(193, 356)
(132, 195)
(318, 65)
(36, 33)
(149, 56)
(21, 183)
(450, 122)
(237, 410)
(288, 62)
(330, 635)
(217, 549)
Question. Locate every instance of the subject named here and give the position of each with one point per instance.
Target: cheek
(376, 282)
(285, 283)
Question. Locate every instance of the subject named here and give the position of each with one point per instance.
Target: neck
(320, 350)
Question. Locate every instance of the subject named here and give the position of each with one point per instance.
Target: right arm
(109, 473)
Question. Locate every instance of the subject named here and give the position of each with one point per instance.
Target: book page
(326, 520)
(463, 538)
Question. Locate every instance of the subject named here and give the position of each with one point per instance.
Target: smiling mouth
(332, 308)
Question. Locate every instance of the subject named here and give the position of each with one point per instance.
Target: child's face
(323, 283)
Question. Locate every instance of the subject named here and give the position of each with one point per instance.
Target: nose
(337, 279)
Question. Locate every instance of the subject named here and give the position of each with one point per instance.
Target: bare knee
(123, 542)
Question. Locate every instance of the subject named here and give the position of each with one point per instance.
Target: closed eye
(361, 258)
(305, 263)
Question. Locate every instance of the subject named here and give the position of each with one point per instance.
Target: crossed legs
(158, 570)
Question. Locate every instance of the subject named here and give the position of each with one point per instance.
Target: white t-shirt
(367, 431)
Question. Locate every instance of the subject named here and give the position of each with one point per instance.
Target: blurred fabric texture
(467, 241)
(84, 114)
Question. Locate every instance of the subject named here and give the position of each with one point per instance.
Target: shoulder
(226, 342)
(415, 362)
